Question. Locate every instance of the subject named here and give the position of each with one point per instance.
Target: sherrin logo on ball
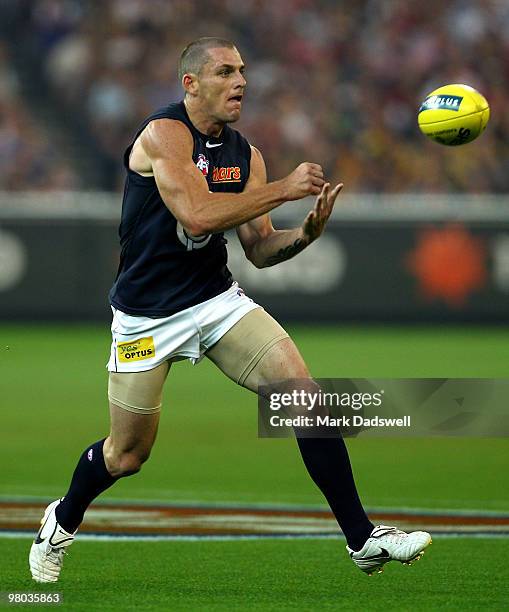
(453, 114)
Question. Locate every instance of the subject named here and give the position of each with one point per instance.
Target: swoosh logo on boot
(384, 554)
(38, 539)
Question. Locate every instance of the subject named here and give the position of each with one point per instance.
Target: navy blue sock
(328, 464)
(90, 478)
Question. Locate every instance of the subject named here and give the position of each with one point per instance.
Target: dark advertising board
(358, 270)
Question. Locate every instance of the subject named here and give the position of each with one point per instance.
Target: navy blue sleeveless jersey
(162, 269)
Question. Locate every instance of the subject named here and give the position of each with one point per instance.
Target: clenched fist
(306, 179)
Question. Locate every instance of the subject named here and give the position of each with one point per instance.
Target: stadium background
(411, 278)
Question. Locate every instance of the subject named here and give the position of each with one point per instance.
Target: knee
(122, 463)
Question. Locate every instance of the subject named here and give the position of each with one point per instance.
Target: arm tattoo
(286, 252)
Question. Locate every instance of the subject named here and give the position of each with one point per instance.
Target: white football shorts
(142, 343)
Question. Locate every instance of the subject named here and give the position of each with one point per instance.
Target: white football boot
(48, 550)
(389, 544)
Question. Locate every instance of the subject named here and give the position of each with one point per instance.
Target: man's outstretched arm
(168, 147)
(264, 246)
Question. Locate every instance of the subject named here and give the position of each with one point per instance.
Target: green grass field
(53, 390)
(456, 574)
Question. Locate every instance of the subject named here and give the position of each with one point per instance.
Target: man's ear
(190, 83)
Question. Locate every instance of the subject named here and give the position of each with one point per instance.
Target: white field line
(236, 505)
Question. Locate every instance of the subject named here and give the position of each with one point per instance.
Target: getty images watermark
(384, 407)
(310, 401)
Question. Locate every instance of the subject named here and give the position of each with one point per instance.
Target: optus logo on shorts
(136, 350)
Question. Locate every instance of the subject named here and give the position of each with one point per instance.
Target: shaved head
(195, 55)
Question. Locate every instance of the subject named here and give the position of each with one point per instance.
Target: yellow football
(453, 114)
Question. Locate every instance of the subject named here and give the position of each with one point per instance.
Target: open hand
(316, 220)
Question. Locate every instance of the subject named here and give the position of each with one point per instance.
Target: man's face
(221, 84)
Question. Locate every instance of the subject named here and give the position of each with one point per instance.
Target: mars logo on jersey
(202, 163)
(136, 350)
(226, 175)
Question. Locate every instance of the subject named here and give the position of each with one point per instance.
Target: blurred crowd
(28, 159)
(336, 82)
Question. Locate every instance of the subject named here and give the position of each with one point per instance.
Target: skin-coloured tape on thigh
(135, 409)
(137, 391)
(258, 357)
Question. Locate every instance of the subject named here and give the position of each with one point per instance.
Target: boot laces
(396, 536)
(56, 555)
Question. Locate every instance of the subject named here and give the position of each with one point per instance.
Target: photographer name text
(327, 421)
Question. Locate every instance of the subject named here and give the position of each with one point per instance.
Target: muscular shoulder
(162, 135)
(256, 156)
(258, 173)
(161, 138)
